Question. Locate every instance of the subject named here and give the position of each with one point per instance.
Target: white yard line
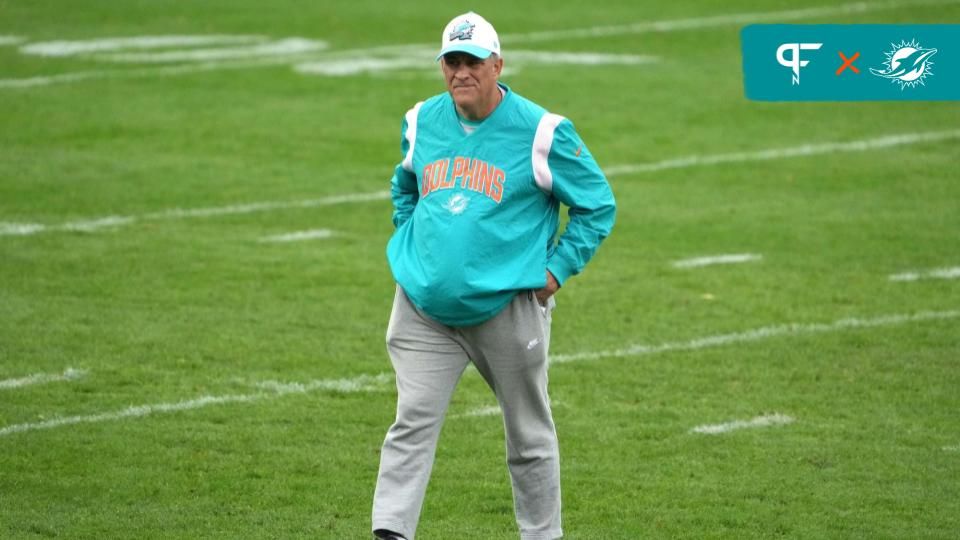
(69, 374)
(114, 44)
(713, 21)
(758, 334)
(156, 71)
(367, 383)
(20, 229)
(863, 145)
(364, 383)
(11, 40)
(26, 229)
(490, 410)
(939, 273)
(130, 412)
(760, 421)
(299, 236)
(643, 27)
(717, 259)
(281, 48)
(952, 448)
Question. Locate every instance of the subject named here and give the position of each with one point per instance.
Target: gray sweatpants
(510, 352)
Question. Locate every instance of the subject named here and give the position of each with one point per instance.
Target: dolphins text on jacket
(473, 174)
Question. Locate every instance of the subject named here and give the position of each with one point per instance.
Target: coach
(477, 261)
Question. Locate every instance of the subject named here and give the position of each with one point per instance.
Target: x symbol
(848, 62)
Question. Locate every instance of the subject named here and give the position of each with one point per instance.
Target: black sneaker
(382, 534)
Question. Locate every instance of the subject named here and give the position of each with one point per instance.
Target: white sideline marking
(789, 152)
(939, 273)
(69, 374)
(364, 383)
(951, 448)
(716, 259)
(735, 19)
(23, 229)
(11, 40)
(760, 421)
(758, 334)
(300, 236)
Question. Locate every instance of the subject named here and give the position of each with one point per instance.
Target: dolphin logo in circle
(907, 63)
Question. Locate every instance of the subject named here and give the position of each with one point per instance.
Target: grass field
(174, 364)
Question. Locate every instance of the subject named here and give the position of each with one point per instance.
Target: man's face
(471, 81)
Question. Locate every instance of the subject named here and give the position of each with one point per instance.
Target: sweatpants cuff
(393, 525)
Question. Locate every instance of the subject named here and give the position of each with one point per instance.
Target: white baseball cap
(472, 34)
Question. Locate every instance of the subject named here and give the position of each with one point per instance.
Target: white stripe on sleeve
(411, 136)
(542, 142)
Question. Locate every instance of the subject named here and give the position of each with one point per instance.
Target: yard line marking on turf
(155, 71)
(696, 23)
(300, 236)
(939, 273)
(767, 420)
(863, 145)
(69, 374)
(251, 208)
(11, 40)
(130, 412)
(20, 229)
(364, 383)
(420, 59)
(732, 19)
(24, 229)
(951, 448)
(758, 334)
(368, 383)
(490, 410)
(283, 48)
(61, 48)
(717, 259)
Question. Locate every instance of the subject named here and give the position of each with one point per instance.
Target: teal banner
(853, 62)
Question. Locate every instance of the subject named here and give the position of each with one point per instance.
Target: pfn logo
(794, 62)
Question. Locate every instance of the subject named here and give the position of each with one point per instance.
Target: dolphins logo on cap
(907, 64)
(463, 31)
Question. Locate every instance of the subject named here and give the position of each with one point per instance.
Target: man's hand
(546, 292)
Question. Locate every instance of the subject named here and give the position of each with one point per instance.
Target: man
(476, 209)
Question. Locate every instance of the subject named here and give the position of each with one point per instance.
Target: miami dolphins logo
(907, 64)
(456, 204)
(463, 31)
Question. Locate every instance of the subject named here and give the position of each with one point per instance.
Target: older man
(477, 261)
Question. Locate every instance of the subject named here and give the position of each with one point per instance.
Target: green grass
(166, 310)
